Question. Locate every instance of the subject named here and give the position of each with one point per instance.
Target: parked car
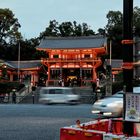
(51, 95)
(111, 106)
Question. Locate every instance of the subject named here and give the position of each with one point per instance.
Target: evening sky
(34, 15)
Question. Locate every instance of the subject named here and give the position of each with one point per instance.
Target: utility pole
(109, 73)
(19, 61)
(127, 57)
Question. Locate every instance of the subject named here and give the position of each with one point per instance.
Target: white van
(51, 95)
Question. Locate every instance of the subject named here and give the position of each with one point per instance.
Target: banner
(132, 107)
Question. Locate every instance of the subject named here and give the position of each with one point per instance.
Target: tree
(114, 32)
(136, 21)
(51, 30)
(28, 50)
(66, 29)
(86, 30)
(114, 29)
(77, 28)
(101, 31)
(9, 26)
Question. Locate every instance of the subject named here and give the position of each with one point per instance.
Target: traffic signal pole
(127, 44)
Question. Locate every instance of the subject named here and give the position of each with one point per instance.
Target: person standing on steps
(14, 96)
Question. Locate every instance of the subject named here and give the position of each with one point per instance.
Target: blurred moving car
(51, 95)
(111, 106)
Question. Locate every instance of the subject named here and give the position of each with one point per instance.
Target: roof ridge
(75, 37)
(24, 61)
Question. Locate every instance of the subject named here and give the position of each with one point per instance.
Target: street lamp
(4, 71)
(19, 61)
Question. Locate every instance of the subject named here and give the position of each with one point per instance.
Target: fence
(86, 95)
(20, 95)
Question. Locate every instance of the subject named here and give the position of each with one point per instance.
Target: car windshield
(57, 91)
(118, 95)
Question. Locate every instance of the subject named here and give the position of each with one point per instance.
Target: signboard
(110, 136)
(132, 107)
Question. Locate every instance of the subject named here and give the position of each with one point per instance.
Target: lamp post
(19, 61)
(109, 73)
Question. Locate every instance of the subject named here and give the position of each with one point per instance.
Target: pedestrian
(14, 96)
(93, 86)
(62, 83)
(6, 99)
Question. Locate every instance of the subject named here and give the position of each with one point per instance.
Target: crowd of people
(69, 82)
(5, 98)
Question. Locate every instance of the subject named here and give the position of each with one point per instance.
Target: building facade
(24, 71)
(74, 60)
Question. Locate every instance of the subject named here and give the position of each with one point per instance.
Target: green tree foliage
(114, 32)
(66, 29)
(9, 33)
(101, 31)
(11, 38)
(136, 21)
(51, 30)
(114, 29)
(9, 26)
(27, 50)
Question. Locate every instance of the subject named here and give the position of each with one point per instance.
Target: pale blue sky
(34, 15)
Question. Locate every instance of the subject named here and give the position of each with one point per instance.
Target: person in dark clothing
(93, 87)
(14, 96)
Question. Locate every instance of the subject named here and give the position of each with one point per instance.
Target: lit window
(56, 56)
(87, 55)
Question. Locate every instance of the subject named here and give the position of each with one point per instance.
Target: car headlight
(112, 105)
(115, 104)
(98, 103)
(95, 111)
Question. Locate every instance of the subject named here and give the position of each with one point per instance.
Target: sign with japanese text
(132, 107)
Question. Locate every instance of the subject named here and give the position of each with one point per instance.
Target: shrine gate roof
(72, 42)
(25, 64)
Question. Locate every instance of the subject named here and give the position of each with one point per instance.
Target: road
(39, 122)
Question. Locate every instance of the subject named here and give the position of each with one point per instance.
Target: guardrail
(20, 95)
(26, 96)
(84, 99)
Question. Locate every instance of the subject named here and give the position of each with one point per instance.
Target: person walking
(94, 87)
(14, 96)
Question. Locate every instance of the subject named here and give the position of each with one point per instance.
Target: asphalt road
(39, 122)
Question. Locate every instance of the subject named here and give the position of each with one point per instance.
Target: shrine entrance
(72, 73)
(71, 76)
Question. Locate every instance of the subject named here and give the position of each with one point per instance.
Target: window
(87, 55)
(55, 91)
(56, 56)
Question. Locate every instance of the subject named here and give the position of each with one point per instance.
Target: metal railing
(20, 95)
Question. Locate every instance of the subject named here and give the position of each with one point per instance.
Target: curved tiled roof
(25, 64)
(72, 42)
